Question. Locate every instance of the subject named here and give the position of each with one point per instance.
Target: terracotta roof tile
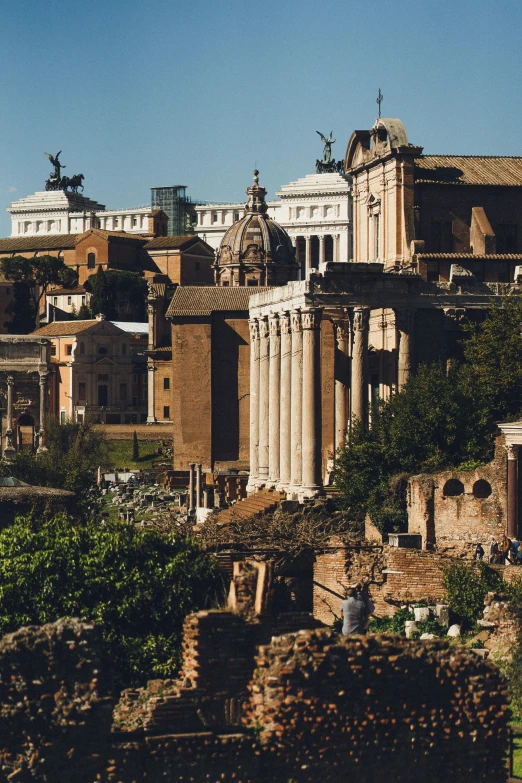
(174, 243)
(64, 328)
(469, 169)
(203, 300)
(40, 243)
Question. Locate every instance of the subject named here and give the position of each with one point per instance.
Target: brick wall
(440, 517)
(394, 576)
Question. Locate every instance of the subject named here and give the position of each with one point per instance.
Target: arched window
(91, 260)
(453, 488)
(482, 489)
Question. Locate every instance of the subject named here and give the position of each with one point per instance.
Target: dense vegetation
(137, 584)
(446, 416)
(120, 296)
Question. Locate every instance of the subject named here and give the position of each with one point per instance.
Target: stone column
(285, 412)
(274, 400)
(336, 248)
(308, 256)
(198, 485)
(254, 404)
(264, 385)
(41, 434)
(321, 248)
(151, 416)
(359, 390)
(297, 402)
(311, 325)
(9, 450)
(342, 380)
(512, 490)
(191, 497)
(404, 320)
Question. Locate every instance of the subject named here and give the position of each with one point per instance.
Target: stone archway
(25, 433)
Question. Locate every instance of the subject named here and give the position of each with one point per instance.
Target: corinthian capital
(512, 451)
(342, 329)
(361, 318)
(263, 327)
(253, 326)
(273, 323)
(296, 320)
(284, 323)
(311, 318)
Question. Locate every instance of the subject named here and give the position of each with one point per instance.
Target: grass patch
(120, 454)
(517, 756)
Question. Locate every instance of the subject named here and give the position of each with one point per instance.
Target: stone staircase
(263, 501)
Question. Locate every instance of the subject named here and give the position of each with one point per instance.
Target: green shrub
(394, 624)
(138, 585)
(466, 588)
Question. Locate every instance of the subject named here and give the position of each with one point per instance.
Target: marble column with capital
(264, 386)
(9, 450)
(274, 397)
(192, 488)
(285, 411)
(512, 490)
(296, 425)
(359, 385)
(199, 484)
(254, 404)
(321, 249)
(311, 414)
(41, 434)
(342, 379)
(405, 321)
(308, 256)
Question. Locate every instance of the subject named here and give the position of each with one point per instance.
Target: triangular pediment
(105, 360)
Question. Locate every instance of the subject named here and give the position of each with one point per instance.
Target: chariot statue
(56, 181)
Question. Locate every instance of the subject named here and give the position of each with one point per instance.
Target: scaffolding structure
(178, 207)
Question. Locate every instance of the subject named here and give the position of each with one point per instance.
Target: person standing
(354, 613)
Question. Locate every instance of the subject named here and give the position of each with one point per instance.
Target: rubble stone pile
(55, 703)
(378, 708)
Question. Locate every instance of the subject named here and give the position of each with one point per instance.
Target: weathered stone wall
(441, 517)
(55, 703)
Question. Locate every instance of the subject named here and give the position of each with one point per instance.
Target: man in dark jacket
(354, 613)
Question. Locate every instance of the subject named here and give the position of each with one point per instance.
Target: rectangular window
(215, 217)
(68, 350)
(134, 221)
(166, 383)
(53, 350)
(55, 301)
(69, 300)
(166, 412)
(82, 392)
(83, 300)
(63, 417)
(123, 391)
(236, 217)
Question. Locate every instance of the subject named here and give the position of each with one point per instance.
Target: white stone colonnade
(286, 448)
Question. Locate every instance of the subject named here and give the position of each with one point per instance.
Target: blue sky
(199, 92)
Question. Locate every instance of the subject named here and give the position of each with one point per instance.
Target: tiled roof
(473, 256)
(172, 243)
(40, 243)
(469, 170)
(64, 328)
(203, 300)
(68, 291)
(101, 232)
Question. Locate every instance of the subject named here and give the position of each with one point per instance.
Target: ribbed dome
(256, 244)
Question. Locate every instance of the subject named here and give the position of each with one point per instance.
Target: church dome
(256, 250)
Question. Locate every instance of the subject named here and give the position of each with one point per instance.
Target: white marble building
(61, 212)
(315, 210)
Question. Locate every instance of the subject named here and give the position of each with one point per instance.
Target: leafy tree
(466, 588)
(120, 296)
(74, 452)
(137, 584)
(38, 274)
(23, 314)
(441, 418)
(135, 447)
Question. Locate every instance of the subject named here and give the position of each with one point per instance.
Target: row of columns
(285, 391)
(285, 423)
(336, 240)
